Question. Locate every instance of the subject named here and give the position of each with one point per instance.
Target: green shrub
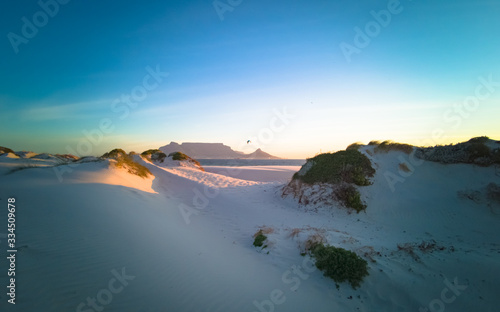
(115, 154)
(159, 157)
(154, 154)
(150, 152)
(374, 142)
(341, 265)
(344, 166)
(133, 167)
(6, 150)
(481, 139)
(259, 239)
(181, 157)
(354, 146)
(496, 156)
(358, 177)
(478, 150)
(475, 151)
(350, 197)
(387, 146)
(125, 161)
(178, 156)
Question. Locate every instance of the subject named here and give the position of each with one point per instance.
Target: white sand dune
(256, 173)
(74, 237)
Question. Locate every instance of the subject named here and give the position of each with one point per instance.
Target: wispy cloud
(81, 110)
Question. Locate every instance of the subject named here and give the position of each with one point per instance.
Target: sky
(295, 77)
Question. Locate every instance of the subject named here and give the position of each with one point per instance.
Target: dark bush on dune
(481, 139)
(387, 146)
(114, 154)
(183, 157)
(475, 151)
(354, 146)
(344, 166)
(350, 197)
(259, 240)
(335, 174)
(125, 161)
(155, 155)
(495, 156)
(150, 152)
(179, 156)
(340, 264)
(4, 150)
(478, 150)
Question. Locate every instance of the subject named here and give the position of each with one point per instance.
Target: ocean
(251, 162)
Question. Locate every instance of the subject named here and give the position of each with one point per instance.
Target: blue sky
(228, 78)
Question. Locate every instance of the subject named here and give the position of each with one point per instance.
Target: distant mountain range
(213, 151)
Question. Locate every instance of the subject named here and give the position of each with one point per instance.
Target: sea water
(252, 162)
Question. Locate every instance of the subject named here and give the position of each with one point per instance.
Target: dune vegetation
(343, 170)
(4, 150)
(125, 161)
(481, 151)
(183, 157)
(340, 264)
(349, 166)
(154, 155)
(388, 145)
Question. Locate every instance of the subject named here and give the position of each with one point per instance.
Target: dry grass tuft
(264, 230)
(388, 145)
(424, 247)
(294, 232)
(403, 167)
(314, 240)
(354, 146)
(368, 252)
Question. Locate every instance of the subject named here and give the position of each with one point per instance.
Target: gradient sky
(227, 78)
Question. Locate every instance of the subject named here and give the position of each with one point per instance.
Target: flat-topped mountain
(212, 151)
